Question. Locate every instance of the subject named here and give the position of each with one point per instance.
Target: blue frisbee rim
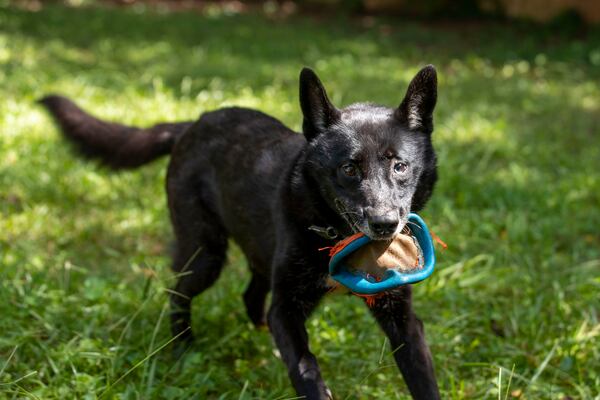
(393, 278)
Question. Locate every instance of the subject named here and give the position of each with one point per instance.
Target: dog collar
(327, 232)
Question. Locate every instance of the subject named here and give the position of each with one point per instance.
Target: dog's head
(372, 164)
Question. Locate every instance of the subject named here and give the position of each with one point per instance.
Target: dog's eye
(350, 169)
(400, 167)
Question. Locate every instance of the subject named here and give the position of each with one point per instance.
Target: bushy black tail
(115, 145)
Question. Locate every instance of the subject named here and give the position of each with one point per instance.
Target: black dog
(281, 196)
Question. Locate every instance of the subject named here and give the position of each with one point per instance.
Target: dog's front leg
(286, 321)
(405, 331)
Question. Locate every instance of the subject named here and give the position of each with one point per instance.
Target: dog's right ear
(318, 111)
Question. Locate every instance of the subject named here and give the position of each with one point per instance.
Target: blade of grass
(10, 356)
(139, 363)
(512, 371)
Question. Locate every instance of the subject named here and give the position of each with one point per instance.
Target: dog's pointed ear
(416, 110)
(318, 111)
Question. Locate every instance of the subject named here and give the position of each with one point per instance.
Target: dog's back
(229, 161)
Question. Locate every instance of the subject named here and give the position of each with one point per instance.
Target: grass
(511, 312)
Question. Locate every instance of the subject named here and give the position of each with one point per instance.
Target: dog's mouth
(375, 236)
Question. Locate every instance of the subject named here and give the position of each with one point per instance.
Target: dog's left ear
(416, 110)
(318, 111)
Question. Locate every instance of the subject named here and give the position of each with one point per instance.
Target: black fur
(238, 173)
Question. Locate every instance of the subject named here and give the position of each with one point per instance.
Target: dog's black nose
(384, 224)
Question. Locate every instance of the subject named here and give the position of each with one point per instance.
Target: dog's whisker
(347, 215)
(412, 223)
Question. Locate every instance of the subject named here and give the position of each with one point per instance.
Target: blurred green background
(512, 310)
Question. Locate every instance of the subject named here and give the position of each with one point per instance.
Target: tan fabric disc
(401, 253)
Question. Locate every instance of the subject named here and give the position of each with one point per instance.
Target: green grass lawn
(511, 312)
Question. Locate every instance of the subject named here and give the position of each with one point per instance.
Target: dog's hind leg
(255, 297)
(197, 268)
(201, 245)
